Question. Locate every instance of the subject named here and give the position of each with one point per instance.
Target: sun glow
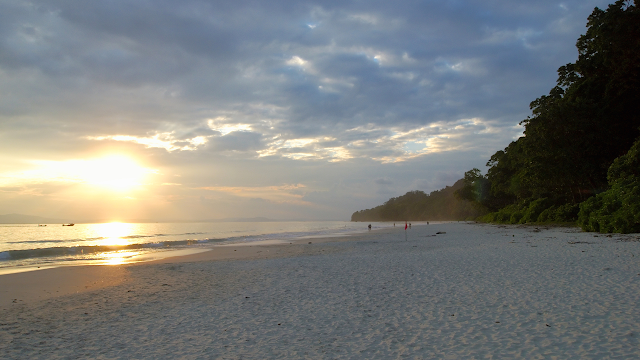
(117, 173)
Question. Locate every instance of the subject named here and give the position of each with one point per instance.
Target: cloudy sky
(288, 109)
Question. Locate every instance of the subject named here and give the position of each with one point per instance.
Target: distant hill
(254, 219)
(416, 205)
(28, 219)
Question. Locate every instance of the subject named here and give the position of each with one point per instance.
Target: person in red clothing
(405, 225)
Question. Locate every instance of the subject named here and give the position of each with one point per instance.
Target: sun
(117, 173)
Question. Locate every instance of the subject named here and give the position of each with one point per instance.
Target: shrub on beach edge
(616, 210)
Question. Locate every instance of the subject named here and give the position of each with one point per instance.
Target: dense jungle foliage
(579, 158)
(617, 209)
(417, 206)
(580, 132)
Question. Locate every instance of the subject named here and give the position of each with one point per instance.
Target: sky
(291, 110)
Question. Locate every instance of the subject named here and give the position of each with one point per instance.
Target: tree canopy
(590, 118)
(417, 206)
(617, 209)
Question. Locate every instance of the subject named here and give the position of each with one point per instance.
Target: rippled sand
(477, 291)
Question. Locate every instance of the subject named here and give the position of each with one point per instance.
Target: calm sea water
(25, 247)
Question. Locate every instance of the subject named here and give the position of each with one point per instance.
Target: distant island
(417, 205)
(253, 219)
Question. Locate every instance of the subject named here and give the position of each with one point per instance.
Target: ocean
(27, 247)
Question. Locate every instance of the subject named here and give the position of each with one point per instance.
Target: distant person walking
(369, 226)
(405, 225)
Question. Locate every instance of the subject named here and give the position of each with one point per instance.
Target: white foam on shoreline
(256, 243)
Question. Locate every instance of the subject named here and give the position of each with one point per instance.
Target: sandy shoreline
(476, 291)
(36, 285)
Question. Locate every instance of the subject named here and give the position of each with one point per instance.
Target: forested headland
(418, 206)
(579, 157)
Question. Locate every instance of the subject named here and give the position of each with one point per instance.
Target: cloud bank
(353, 102)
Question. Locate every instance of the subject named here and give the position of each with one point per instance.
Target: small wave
(137, 236)
(86, 250)
(36, 241)
(159, 235)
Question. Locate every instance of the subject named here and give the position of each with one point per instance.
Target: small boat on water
(68, 224)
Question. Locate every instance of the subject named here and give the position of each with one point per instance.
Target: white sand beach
(471, 292)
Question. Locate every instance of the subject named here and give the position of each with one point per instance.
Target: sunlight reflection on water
(114, 233)
(118, 257)
(32, 246)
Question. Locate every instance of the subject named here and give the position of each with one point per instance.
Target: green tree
(587, 120)
(617, 209)
(417, 205)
